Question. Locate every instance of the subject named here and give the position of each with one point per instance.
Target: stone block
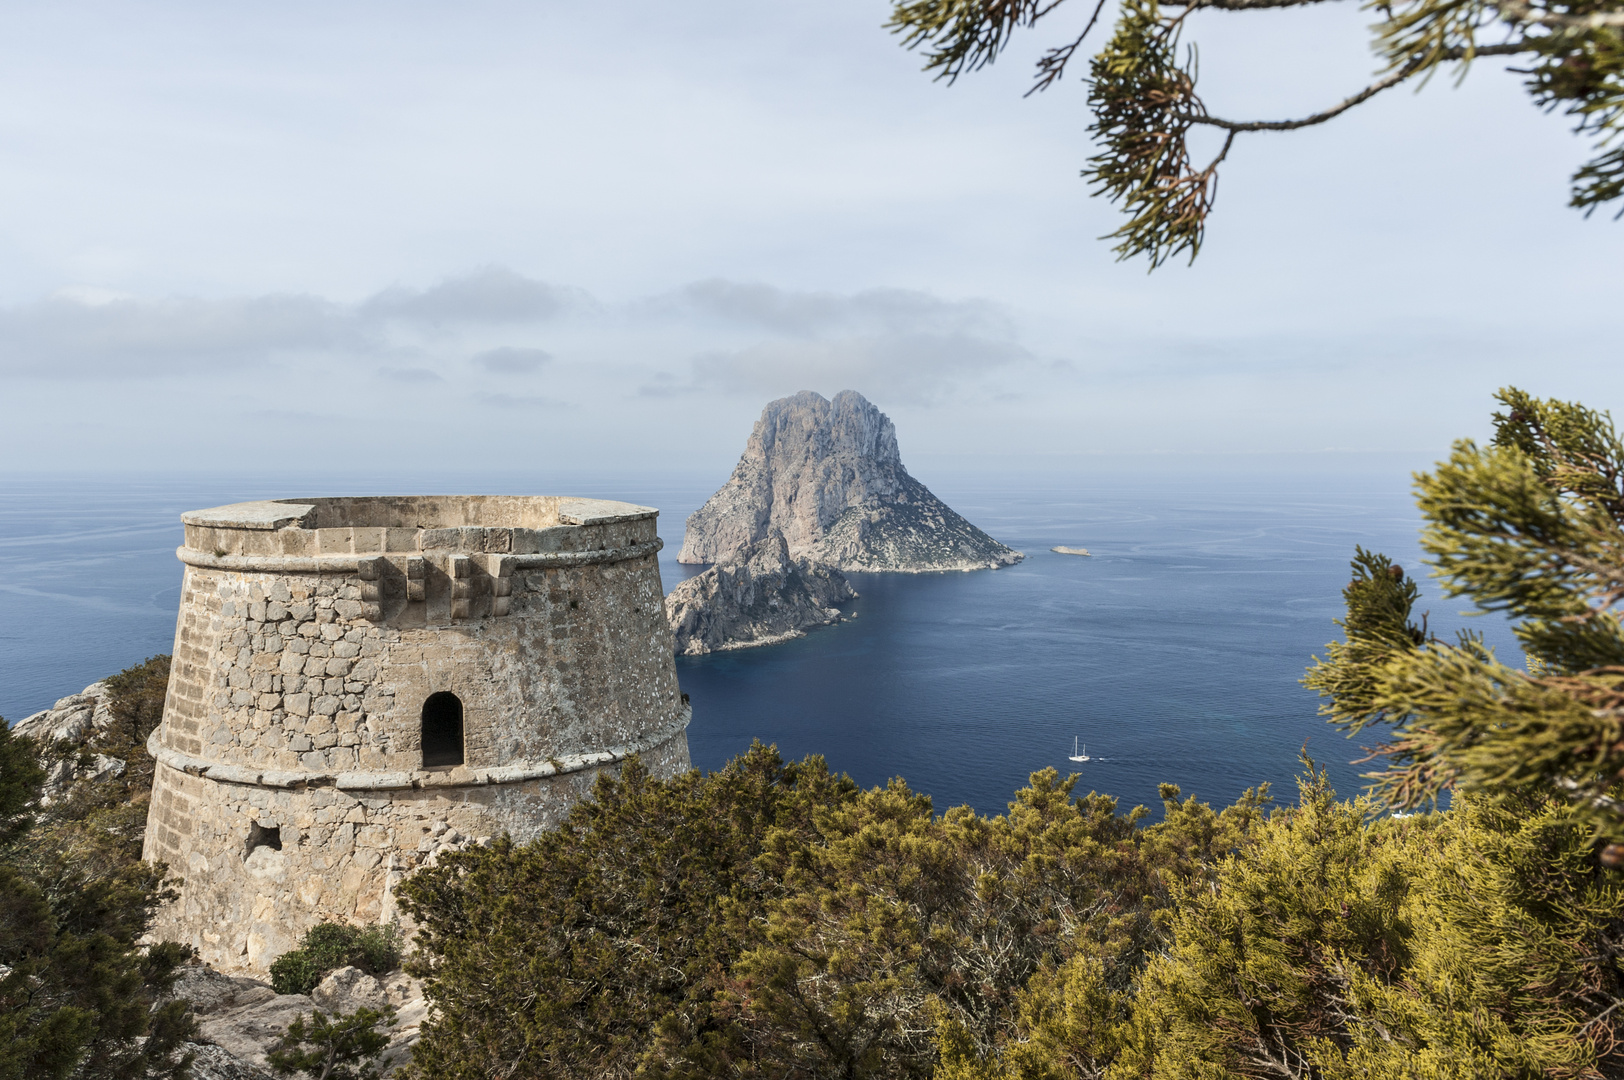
(369, 538)
(339, 541)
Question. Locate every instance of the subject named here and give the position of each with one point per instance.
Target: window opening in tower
(442, 730)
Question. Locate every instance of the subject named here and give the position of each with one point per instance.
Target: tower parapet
(355, 679)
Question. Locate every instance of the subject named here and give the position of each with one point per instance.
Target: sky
(294, 236)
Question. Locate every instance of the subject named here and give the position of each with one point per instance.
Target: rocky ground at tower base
(240, 1019)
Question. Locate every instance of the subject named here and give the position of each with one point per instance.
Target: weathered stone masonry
(291, 785)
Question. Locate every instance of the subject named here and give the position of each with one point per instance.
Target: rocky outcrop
(210, 1062)
(758, 596)
(62, 731)
(239, 1020)
(70, 719)
(828, 476)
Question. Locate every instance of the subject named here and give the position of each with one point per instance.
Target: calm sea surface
(1174, 651)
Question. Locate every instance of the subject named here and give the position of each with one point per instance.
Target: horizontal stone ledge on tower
(496, 565)
(421, 779)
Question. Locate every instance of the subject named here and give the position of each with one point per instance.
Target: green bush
(329, 946)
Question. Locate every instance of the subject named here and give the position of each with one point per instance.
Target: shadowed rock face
(828, 476)
(757, 597)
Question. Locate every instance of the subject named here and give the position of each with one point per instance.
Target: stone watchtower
(357, 680)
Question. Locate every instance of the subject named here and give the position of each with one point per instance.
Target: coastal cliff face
(76, 720)
(828, 476)
(757, 597)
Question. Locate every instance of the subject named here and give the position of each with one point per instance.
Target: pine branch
(1053, 64)
(1241, 5)
(1522, 13)
(1144, 98)
(1386, 83)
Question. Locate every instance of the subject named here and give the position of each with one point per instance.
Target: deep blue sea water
(1174, 651)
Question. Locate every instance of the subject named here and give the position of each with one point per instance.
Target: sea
(1173, 652)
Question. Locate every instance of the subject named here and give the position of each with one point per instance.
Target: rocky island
(758, 596)
(828, 476)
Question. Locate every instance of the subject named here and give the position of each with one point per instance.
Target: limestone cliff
(827, 474)
(756, 597)
(64, 733)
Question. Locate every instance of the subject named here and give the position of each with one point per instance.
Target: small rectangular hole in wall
(263, 836)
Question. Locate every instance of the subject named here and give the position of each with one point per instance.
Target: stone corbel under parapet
(471, 597)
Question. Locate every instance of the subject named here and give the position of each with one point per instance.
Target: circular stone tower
(358, 682)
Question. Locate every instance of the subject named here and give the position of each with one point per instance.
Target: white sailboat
(1076, 754)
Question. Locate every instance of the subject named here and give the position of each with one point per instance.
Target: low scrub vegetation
(80, 996)
(772, 920)
(329, 946)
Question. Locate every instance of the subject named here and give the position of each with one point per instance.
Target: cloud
(67, 335)
(894, 343)
(519, 401)
(410, 375)
(493, 294)
(901, 344)
(812, 314)
(85, 332)
(663, 384)
(511, 361)
(917, 368)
